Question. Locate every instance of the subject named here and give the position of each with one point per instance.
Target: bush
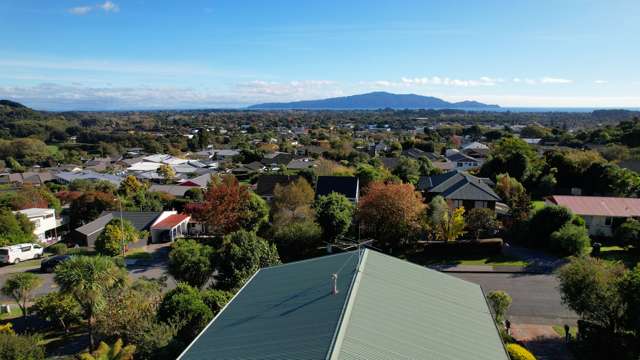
(58, 249)
(189, 261)
(571, 240)
(628, 233)
(18, 347)
(517, 352)
(545, 221)
(184, 305)
(298, 240)
(115, 236)
(216, 299)
(500, 302)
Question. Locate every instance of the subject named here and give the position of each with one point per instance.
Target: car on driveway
(13, 254)
(49, 265)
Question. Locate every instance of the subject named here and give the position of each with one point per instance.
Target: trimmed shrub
(628, 233)
(58, 249)
(517, 352)
(571, 240)
(545, 221)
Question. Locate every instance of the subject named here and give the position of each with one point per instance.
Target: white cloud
(80, 10)
(109, 6)
(569, 101)
(445, 81)
(291, 90)
(552, 80)
(600, 82)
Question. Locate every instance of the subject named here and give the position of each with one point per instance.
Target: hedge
(465, 247)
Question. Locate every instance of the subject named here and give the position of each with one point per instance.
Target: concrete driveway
(536, 298)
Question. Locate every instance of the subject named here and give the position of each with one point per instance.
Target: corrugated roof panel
(405, 311)
(284, 312)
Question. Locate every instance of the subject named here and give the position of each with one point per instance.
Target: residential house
(300, 164)
(391, 163)
(460, 189)
(45, 224)
(224, 154)
(175, 227)
(277, 159)
(353, 305)
(601, 214)
(476, 150)
(29, 178)
(267, 183)
(349, 186)
(463, 162)
(176, 190)
(201, 180)
(68, 177)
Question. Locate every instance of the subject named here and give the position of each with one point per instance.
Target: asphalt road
(536, 298)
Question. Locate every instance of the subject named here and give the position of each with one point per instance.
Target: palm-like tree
(20, 287)
(106, 352)
(88, 279)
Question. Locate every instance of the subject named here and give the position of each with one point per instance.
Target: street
(536, 298)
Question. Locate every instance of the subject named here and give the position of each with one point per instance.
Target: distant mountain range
(376, 100)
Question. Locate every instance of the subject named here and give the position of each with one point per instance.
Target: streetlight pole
(121, 225)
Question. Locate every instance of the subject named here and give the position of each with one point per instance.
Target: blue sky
(133, 54)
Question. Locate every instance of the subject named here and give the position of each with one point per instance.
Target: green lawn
(138, 254)
(537, 205)
(53, 148)
(14, 313)
(496, 260)
(573, 330)
(630, 258)
(23, 265)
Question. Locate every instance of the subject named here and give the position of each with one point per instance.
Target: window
(37, 246)
(457, 203)
(608, 221)
(26, 248)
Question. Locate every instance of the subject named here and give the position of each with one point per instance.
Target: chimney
(334, 284)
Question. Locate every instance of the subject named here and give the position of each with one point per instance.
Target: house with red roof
(599, 212)
(169, 226)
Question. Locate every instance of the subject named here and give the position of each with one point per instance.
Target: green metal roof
(401, 310)
(386, 308)
(283, 312)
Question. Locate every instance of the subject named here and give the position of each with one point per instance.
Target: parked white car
(15, 253)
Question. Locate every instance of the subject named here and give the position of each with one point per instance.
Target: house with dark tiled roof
(352, 306)
(349, 186)
(391, 163)
(460, 189)
(267, 183)
(276, 159)
(463, 161)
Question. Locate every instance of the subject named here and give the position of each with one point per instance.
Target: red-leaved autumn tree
(391, 213)
(224, 205)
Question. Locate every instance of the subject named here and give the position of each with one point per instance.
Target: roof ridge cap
(345, 314)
